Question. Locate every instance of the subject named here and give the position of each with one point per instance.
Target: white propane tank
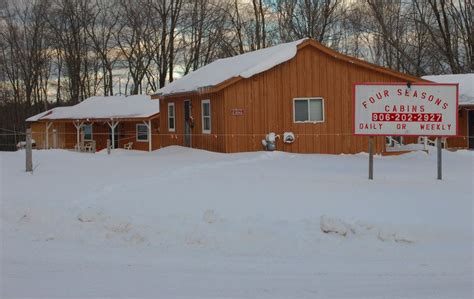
(269, 143)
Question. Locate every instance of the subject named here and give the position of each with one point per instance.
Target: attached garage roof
(224, 72)
(466, 85)
(113, 107)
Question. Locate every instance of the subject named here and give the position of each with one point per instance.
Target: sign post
(55, 139)
(108, 146)
(371, 158)
(28, 151)
(405, 109)
(440, 169)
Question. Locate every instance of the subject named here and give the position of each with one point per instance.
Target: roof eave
(201, 91)
(173, 95)
(147, 117)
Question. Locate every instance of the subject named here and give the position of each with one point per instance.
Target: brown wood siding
(99, 135)
(462, 140)
(267, 100)
(38, 130)
(38, 133)
(215, 141)
(128, 133)
(70, 138)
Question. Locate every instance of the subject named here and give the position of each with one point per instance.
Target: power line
(13, 131)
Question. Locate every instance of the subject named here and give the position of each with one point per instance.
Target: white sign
(399, 109)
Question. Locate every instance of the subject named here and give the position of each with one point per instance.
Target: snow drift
(186, 223)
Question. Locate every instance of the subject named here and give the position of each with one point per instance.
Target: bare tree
(401, 40)
(25, 36)
(203, 34)
(165, 25)
(302, 18)
(462, 12)
(100, 26)
(67, 24)
(133, 36)
(260, 28)
(449, 22)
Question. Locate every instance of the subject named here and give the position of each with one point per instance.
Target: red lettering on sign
(407, 117)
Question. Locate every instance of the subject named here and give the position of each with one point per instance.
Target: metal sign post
(371, 158)
(440, 169)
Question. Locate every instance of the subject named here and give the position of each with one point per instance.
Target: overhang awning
(123, 108)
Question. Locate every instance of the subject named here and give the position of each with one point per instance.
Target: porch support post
(148, 125)
(78, 126)
(48, 125)
(112, 124)
(113, 136)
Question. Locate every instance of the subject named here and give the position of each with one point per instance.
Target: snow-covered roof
(245, 66)
(466, 85)
(101, 107)
(37, 117)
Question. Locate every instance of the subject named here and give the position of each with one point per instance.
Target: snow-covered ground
(182, 223)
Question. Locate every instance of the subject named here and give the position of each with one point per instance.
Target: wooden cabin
(465, 139)
(130, 122)
(302, 88)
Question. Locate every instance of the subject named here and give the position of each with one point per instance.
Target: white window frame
(207, 101)
(136, 129)
(92, 132)
(174, 117)
(309, 111)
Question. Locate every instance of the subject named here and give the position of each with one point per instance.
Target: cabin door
(470, 128)
(187, 123)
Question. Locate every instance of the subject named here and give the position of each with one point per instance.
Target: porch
(94, 135)
(130, 122)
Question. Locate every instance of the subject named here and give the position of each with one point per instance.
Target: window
(309, 110)
(87, 130)
(142, 132)
(206, 116)
(171, 118)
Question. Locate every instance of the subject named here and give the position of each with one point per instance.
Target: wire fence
(122, 136)
(135, 133)
(8, 130)
(209, 134)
